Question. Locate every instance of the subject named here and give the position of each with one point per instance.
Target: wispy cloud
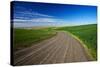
(28, 18)
(30, 15)
(43, 20)
(39, 14)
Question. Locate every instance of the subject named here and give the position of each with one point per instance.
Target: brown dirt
(61, 48)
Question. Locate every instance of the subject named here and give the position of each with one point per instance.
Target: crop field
(26, 37)
(86, 33)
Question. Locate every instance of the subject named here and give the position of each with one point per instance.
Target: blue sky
(28, 14)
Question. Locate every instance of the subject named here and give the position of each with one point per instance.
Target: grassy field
(26, 37)
(86, 33)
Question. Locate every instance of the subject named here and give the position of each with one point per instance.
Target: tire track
(21, 58)
(61, 48)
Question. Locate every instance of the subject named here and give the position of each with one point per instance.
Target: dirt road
(61, 48)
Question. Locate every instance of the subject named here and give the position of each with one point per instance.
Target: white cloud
(43, 15)
(29, 13)
(36, 20)
(43, 20)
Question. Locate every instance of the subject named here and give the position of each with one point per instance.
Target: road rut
(62, 48)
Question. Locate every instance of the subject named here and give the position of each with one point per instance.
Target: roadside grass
(86, 33)
(26, 37)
